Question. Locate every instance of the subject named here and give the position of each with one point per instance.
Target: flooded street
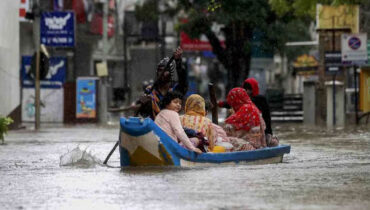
(326, 169)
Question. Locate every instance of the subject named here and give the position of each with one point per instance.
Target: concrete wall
(9, 56)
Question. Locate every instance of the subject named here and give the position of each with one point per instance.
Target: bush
(4, 122)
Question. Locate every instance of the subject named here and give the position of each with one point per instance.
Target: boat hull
(143, 143)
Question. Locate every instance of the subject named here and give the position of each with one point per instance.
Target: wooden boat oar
(212, 95)
(110, 153)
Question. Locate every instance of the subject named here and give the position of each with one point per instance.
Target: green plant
(4, 122)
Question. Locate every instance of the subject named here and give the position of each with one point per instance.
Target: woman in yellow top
(195, 118)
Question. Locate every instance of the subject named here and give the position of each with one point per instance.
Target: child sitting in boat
(245, 128)
(169, 120)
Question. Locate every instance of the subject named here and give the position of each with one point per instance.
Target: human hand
(178, 53)
(197, 151)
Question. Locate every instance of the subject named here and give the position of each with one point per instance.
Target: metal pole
(333, 48)
(36, 33)
(356, 99)
(334, 119)
(37, 91)
(125, 64)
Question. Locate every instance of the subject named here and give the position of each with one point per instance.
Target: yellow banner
(344, 16)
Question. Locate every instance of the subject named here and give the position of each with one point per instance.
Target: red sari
(246, 126)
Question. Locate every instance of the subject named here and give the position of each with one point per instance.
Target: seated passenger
(251, 86)
(168, 119)
(245, 127)
(195, 118)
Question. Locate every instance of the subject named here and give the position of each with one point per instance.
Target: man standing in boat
(149, 103)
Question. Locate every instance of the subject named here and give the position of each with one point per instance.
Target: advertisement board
(57, 29)
(86, 88)
(340, 17)
(51, 101)
(55, 77)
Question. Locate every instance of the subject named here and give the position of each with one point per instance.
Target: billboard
(57, 29)
(55, 77)
(86, 98)
(343, 16)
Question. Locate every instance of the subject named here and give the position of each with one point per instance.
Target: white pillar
(339, 104)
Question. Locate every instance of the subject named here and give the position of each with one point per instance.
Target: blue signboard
(55, 77)
(86, 98)
(57, 29)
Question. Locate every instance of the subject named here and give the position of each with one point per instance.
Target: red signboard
(189, 44)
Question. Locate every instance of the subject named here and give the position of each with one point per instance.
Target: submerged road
(326, 169)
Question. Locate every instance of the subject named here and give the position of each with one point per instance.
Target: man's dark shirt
(261, 103)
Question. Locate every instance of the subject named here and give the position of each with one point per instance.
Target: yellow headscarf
(195, 117)
(195, 105)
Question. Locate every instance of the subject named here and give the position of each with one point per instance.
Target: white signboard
(51, 105)
(354, 49)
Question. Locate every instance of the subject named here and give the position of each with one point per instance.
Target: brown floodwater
(326, 169)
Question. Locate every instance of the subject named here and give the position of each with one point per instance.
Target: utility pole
(36, 36)
(103, 105)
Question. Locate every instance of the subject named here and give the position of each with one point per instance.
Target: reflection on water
(326, 169)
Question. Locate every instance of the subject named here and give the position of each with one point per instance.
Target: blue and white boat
(143, 143)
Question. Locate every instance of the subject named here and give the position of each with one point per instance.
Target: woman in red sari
(245, 127)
